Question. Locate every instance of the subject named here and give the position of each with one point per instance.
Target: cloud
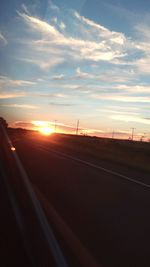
(113, 111)
(58, 77)
(21, 83)
(91, 131)
(109, 76)
(6, 82)
(54, 19)
(143, 30)
(22, 124)
(51, 95)
(123, 108)
(142, 64)
(25, 9)
(43, 64)
(127, 118)
(55, 104)
(5, 95)
(114, 37)
(48, 123)
(62, 25)
(71, 86)
(53, 6)
(122, 98)
(104, 45)
(143, 44)
(24, 106)
(3, 39)
(36, 125)
(40, 25)
(134, 88)
(84, 75)
(62, 127)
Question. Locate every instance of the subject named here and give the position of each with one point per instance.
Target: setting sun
(46, 130)
(44, 127)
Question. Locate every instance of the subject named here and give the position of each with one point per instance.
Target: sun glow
(44, 127)
(46, 130)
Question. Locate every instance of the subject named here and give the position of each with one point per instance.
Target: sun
(46, 130)
(44, 127)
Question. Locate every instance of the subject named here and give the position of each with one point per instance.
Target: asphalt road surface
(109, 214)
(12, 250)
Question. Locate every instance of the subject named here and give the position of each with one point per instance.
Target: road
(12, 250)
(109, 214)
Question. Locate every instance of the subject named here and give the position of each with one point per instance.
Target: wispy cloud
(5, 95)
(3, 40)
(25, 9)
(62, 25)
(109, 76)
(40, 26)
(6, 82)
(91, 131)
(62, 126)
(55, 104)
(142, 64)
(115, 37)
(113, 111)
(84, 75)
(53, 6)
(143, 44)
(100, 44)
(130, 118)
(58, 77)
(134, 88)
(50, 95)
(123, 108)
(122, 98)
(24, 106)
(43, 64)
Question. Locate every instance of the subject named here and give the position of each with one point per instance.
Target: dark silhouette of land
(107, 212)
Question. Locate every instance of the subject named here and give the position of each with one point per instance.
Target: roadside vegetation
(125, 152)
(131, 153)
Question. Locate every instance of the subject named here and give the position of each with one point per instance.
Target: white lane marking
(95, 166)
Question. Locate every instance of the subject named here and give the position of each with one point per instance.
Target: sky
(87, 60)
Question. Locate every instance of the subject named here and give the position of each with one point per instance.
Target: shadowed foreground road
(110, 215)
(12, 249)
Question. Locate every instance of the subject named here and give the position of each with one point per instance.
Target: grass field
(130, 153)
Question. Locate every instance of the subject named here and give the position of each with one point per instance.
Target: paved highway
(108, 213)
(12, 249)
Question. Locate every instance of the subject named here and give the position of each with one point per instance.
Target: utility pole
(77, 129)
(113, 133)
(142, 137)
(132, 133)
